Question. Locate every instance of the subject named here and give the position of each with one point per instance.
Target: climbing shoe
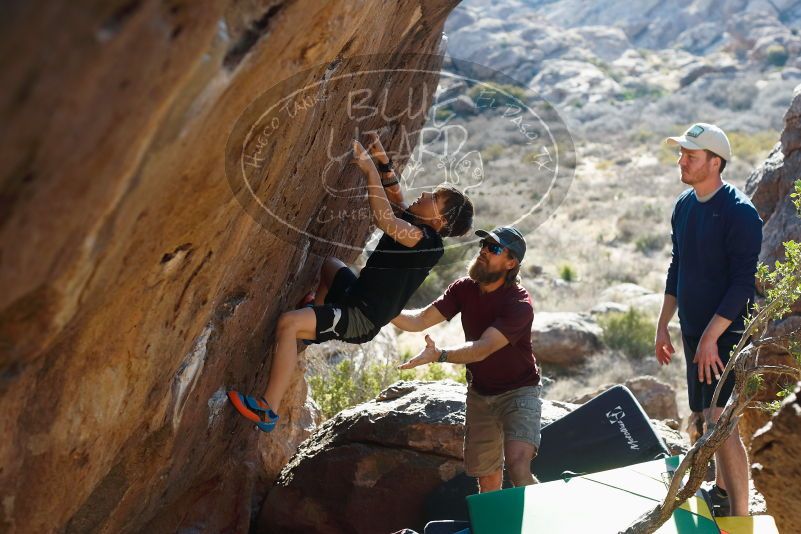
(256, 410)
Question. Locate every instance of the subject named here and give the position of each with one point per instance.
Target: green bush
(753, 147)
(493, 95)
(567, 273)
(492, 152)
(631, 333)
(343, 386)
(777, 55)
(649, 243)
(442, 114)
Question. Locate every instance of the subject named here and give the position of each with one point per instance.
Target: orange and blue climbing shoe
(256, 410)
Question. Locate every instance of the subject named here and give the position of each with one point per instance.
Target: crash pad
(604, 502)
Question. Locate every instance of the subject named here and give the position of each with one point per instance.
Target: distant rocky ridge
(576, 53)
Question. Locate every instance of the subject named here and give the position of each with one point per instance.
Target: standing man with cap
(717, 235)
(503, 404)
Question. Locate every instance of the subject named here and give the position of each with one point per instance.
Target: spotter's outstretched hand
(427, 355)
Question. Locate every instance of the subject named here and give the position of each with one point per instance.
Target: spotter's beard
(480, 273)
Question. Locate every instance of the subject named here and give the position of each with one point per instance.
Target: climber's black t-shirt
(393, 272)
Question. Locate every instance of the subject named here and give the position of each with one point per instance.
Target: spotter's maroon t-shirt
(509, 310)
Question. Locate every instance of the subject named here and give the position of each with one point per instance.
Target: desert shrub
(631, 333)
(752, 147)
(567, 273)
(492, 152)
(641, 91)
(604, 165)
(777, 55)
(443, 114)
(497, 95)
(343, 385)
(649, 243)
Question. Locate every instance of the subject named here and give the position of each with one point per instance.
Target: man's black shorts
(339, 318)
(700, 393)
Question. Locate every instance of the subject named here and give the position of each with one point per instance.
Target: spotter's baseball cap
(703, 136)
(509, 237)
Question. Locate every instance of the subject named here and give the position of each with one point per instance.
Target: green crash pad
(605, 502)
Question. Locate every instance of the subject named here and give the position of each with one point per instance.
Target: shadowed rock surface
(770, 186)
(775, 450)
(775, 447)
(135, 288)
(385, 455)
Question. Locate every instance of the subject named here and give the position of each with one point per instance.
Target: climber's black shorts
(700, 393)
(339, 318)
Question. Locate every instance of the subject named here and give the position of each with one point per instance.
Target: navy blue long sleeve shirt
(716, 246)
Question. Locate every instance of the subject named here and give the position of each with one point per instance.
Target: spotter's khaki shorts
(493, 419)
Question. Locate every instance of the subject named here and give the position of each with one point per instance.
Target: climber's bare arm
(401, 231)
(394, 193)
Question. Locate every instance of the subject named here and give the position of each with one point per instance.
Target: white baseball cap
(703, 136)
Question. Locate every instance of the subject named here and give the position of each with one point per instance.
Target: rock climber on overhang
(353, 308)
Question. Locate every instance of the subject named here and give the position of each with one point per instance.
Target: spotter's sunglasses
(493, 247)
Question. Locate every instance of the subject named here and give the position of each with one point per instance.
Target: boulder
(631, 296)
(564, 338)
(463, 105)
(774, 448)
(657, 398)
(606, 42)
(623, 293)
(370, 468)
(775, 467)
(771, 184)
(386, 454)
(607, 308)
(138, 283)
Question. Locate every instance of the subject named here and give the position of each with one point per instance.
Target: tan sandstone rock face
(774, 448)
(775, 451)
(135, 287)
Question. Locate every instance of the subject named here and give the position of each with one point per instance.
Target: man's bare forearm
(669, 307)
(469, 352)
(717, 325)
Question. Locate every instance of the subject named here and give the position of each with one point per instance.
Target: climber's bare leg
(294, 325)
(328, 271)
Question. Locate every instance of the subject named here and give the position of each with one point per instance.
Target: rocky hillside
(135, 287)
(611, 68)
